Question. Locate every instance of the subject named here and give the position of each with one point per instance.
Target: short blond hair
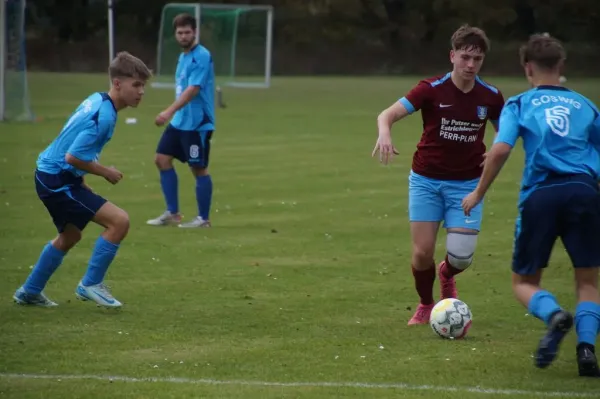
(470, 37)
(125, 65)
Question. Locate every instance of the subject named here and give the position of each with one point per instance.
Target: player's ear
(528, 70)
(452, 54)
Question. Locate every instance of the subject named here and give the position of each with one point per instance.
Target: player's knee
(163, 162)
(118, 226)
(461, 249)
(422, 257)
(199, 171)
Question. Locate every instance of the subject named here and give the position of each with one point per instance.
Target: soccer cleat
(196, 222)
(587, 361)
(422, 315)
(165, 219)
(23, 298)
(98, 293)
(559, 326)
(447, 285)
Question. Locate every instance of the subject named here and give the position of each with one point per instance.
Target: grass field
(302, 289)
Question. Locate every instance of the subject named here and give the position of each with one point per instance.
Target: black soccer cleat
(559, 326)
(587, 361)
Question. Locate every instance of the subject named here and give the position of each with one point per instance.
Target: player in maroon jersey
(447, 164)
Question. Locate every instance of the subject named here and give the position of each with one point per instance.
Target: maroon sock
(448, 270)
(424, 284)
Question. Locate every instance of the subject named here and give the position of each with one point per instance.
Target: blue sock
(587, 322)
(543, 305)
(102, 257)
(168, 182)
(204, 188)
(49, 260)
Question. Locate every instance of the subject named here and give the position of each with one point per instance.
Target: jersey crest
(482, 112)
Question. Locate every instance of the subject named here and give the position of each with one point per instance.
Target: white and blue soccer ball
(451, 318)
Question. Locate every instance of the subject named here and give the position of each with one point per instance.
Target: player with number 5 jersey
(455, 108)
(559, 197)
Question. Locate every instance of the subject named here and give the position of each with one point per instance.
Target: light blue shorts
(432, 200)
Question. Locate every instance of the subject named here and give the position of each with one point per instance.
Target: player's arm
(389, 116)
(196, 79)
(496, 112)
(82, 153)
(496, 158)
(405, 106)
(186, 96)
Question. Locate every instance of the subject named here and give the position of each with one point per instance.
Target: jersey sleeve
(88, 142)
(417, 97)
(595, 133)
(496, 109)
(509, 125)
(200, 69)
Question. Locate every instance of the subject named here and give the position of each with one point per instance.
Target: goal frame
(198, 7)
(27, 115)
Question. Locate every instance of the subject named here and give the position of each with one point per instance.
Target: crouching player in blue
(559, 197)
(72, 204)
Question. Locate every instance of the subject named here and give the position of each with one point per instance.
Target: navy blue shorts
(562, 206)
(191, 147)
(67, 201)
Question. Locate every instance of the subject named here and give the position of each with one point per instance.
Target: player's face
(185, 36)
(467, 62)
(131, 91)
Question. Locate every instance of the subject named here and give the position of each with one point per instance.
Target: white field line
(359, 385)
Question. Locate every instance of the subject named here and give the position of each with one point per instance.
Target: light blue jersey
(84, 135)
(195, 68)
(560, 130)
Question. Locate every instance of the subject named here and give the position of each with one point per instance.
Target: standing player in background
(447, 164)
(187, 137)
(72, 205)
(558, 198)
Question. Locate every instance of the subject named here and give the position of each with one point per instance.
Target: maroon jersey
(452, 147)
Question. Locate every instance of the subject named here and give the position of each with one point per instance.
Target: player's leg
(535, 234)
(60, 207)
(51, 257)
(425, 209)
(587, 320)
(169, 147)
(116, 224)
(461, 237)
(197, 145)
(580, 235)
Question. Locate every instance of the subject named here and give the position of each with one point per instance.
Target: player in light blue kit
(72, 204)
(559, 197)
(187, 137)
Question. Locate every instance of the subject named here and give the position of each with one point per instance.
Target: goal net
(239, 38)
(14, 96)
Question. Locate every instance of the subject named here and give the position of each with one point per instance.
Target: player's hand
(163, 118)
(385, 148)
(112, 175)
(470, 202)
(484, 158)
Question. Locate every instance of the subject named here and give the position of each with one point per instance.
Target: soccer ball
(451, 318)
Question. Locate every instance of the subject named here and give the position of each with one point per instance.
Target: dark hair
(544, 51)
(469, 37)
(183, 20)
(125, 65)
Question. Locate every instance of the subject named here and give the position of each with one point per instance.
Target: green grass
(304, 275)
